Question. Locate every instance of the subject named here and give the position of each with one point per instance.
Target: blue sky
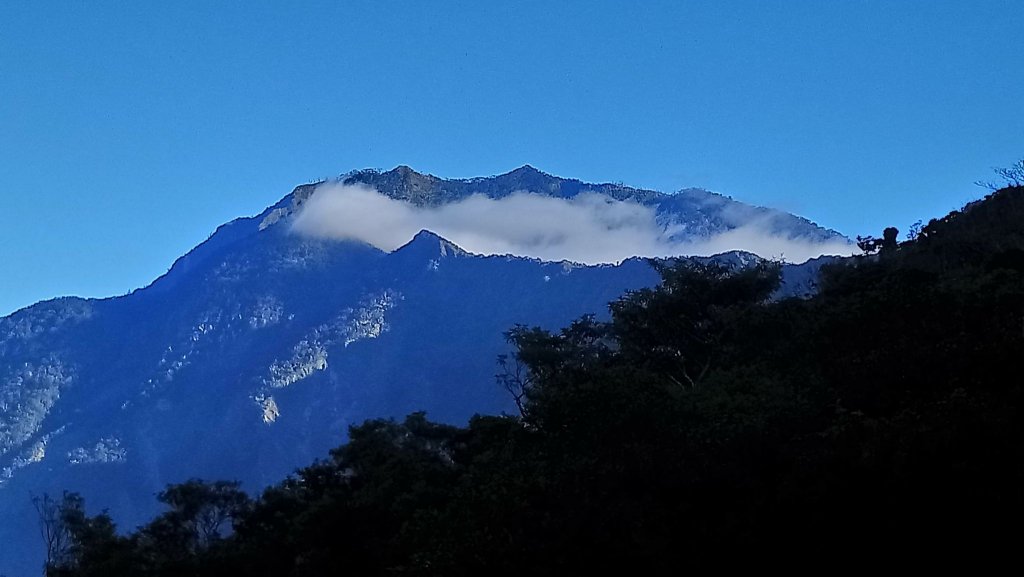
(130, 130)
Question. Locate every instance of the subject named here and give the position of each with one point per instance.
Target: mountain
(258, 348)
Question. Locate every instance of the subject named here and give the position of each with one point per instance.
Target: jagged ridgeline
(706, 422)
(258, 349)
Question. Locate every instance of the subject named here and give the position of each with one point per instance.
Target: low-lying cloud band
(589, 228)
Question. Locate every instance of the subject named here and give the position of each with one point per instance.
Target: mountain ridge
(404, 183)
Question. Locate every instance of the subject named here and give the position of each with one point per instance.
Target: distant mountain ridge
(702, 212)
(257, 349)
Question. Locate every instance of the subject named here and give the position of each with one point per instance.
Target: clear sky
(130, 130)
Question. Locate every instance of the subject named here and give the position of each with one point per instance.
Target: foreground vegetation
(703, 423)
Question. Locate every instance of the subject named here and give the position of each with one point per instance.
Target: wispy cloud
(589, 228)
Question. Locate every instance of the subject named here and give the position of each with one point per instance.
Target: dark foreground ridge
(701, 423)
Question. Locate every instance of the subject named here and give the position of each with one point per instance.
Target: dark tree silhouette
(52, 528)
(1011, 176)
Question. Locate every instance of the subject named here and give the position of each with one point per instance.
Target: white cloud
(589, 228)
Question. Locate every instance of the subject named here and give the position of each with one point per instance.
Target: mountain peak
(526, 169)
(430, 244)
(401, 182)
(405, 171)
(425, 235)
